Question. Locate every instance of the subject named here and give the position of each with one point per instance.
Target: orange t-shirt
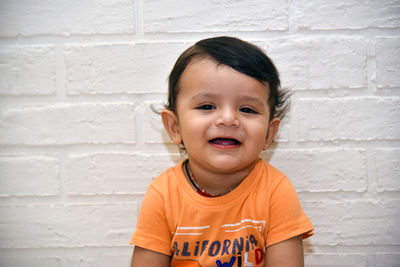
(230, 230)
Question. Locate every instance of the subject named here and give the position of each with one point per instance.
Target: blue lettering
(203, 246)
(253, 241)
(247, 244)
(196, 249)
(226, 264)
(211, 251)
(225, 248)
(176, 249)
(185, 251)
(237, 245)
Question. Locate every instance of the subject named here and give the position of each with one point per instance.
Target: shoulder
(271, 170)
(271, 176)
(274, 186)
(167, 174)
(166, 182)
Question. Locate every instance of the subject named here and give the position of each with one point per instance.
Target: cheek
(259, 132)
(190, 127)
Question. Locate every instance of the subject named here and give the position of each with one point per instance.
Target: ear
(171, 125)
(273, 127)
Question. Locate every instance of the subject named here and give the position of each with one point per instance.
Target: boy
(223, 206)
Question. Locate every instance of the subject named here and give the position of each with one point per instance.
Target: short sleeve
(152, 231)
(286, 216)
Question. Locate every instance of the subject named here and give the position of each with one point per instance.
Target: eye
(248, 110)
(206, 107)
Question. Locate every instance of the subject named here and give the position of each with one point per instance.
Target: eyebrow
(246, 98)
(255, 100)
(204, 95)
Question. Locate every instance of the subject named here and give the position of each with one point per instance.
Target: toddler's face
(222, 117)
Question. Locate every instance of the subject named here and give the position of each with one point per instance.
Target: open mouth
(225, 142)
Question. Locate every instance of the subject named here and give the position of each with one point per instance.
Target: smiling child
(223, 205)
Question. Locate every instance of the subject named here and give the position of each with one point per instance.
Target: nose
(227, 117)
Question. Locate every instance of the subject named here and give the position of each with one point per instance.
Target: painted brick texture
(79, 143)
(68, 124)
(28, 70)
(28, 17)
(197, 16)
(29, 175)
(322, 62)
(114, 68)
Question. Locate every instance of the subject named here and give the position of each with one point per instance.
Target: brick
(320, 63)
(358, 119)
(30, 17)
(30, 261)
(353, 14)
(67, 225)
(29, 176)
(27, 70)
(100, 260)
(323, 170)
(214, 16)
(368, 222)
(343, 260)
(68, 124)
(388, 259)
(388, 62)
(283, 134)
(387, 166)
(119, 68)
(114, 173)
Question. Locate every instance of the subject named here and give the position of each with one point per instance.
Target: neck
(213, 183)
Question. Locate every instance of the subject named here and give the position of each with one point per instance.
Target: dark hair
(239, 55)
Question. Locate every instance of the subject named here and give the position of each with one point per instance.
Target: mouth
(225, 142)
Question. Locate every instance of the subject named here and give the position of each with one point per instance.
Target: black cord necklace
(199, 190)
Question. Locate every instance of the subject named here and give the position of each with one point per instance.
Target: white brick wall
(79, 143)
(176, 16)
(31, 17)
(320, 62)
(29, 175)
(27, 70)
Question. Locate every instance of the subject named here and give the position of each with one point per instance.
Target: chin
(231, 165)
